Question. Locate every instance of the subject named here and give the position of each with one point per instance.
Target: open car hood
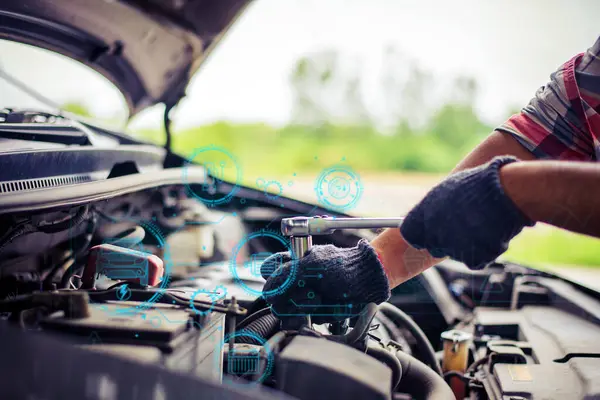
(148, 48)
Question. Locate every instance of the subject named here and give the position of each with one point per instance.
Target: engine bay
(154, 294)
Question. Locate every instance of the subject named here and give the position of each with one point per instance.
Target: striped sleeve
(562, 121)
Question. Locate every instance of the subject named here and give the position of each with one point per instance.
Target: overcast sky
(510, 46)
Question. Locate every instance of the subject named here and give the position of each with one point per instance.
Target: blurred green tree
(456, 122)
(406, 91)
(326, 91)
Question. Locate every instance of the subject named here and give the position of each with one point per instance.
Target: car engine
(154, 294)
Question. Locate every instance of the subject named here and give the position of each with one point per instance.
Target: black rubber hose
(404, 320)
(360, 329)
(362, 325)
(82, 250)
(395, 333)
(389, 325)
(257, 305)
(263, 327)
(388, 359)
(65, 224)
(21, 229)
(420, 381)
(129, 237)
(253, 317)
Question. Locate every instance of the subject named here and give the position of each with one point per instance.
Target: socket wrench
(300, 230)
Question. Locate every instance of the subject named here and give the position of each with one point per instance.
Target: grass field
(543, 246)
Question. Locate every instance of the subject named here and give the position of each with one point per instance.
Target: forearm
(400, 260)
(563, 194)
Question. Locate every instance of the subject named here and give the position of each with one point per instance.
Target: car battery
(161, 334)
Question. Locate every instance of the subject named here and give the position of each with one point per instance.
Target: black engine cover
(314, 368)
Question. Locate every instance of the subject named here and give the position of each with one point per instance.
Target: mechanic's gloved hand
(329, 283)
(467, 217)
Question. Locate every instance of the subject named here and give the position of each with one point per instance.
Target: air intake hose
(420, 381)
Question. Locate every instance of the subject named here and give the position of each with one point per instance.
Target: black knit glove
(329, 283)
(467, 217)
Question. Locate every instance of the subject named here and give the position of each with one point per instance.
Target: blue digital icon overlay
(124, 293)
(157, 292)
(310, 299)
(338, 188)
(247, 361)
(129, 263)
(219, 293)
(217, 163)
(154, 321)
(272, 189)
(254, 262)
(137, 236)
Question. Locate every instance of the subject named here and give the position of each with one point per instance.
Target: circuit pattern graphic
(219, 293)
(307, 298)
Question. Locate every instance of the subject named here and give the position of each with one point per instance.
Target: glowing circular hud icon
(276, 187)
(271, 189)
(124, 293)
(246, 361)
(219, 293)
(338, 188)
(216, 161)
(254, 263)
(193, 298)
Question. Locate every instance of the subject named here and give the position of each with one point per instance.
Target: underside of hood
(148, 48)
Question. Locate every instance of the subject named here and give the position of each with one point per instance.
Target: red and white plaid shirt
(562, 121)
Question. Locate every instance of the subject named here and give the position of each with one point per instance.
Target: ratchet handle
(307, 226)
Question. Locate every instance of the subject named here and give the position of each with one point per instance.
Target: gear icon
(270, 193)
(193, 298)
(215, 170)
(276, 193)
(219, 293)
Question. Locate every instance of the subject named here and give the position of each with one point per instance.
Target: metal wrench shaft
(301, 229)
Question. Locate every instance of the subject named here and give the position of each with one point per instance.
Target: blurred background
(398, 90)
